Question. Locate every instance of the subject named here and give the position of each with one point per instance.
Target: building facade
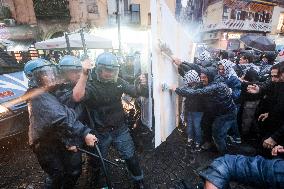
(53, 17)
(222, 22)
(226, 20)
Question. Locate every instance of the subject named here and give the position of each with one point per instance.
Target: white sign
(166, 29)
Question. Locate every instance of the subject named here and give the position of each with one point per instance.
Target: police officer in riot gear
(103, 95)
(71, 68)
(54, 129)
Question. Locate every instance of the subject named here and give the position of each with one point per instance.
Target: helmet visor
(47, 76)
(71, 74)
(107, 73)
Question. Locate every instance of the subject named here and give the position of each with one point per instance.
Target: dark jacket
(52, 120)
(264, 70)
(193, 103)
(185, 67)
(104, 101)
(275, 109)
(218, 95)
(234, 83)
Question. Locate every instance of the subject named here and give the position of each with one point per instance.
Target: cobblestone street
(164, 167)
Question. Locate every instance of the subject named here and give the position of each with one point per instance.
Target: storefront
(18, 41)
(237, 17)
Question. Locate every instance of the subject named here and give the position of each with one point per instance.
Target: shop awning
(18, 32)
(92, 42)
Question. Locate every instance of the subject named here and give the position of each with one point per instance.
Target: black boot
(134, 167)
(139, 184)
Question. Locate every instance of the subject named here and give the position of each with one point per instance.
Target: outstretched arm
(187, 92)
(79, 90)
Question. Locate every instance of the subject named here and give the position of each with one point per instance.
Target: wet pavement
(168, 166)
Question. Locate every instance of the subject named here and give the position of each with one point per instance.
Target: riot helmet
(41, 73)
(107, 67)
(70, 68)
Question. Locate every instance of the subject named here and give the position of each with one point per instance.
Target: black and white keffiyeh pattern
(191, 77)
(228, 67)
(204, 56)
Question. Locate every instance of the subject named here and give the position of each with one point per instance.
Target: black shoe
(207, 146)
(139, 184)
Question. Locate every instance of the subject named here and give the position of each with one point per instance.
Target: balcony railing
(241, 25)
(49, 9)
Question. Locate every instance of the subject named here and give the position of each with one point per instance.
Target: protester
(227, 74)
(218, 95)
(275, 111)
(256, 171)
(193, 111)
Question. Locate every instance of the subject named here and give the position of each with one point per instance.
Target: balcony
(240, 25)
(51, 9)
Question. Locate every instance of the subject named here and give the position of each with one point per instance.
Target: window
(51, 9)
(135, 13)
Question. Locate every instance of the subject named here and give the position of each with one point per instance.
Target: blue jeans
(123, 143)
(256, 171)
(194, 126)
(121, 140)
(234, 125)
(220, 128)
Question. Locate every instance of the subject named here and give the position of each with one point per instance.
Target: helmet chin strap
(106, 80)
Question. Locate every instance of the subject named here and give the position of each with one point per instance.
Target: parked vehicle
(14, 118)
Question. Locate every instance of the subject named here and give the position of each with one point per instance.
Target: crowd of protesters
(229, 100)
(227, 97)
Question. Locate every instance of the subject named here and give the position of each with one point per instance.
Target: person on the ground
(256, 171)
(102, 96)
(54, 130)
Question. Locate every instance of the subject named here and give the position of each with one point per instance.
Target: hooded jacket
(231, 79)
(217, 94)
(185, 67)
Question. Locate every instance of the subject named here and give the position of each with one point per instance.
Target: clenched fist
(90, 139)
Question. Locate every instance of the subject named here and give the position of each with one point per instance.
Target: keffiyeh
(191, 77)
